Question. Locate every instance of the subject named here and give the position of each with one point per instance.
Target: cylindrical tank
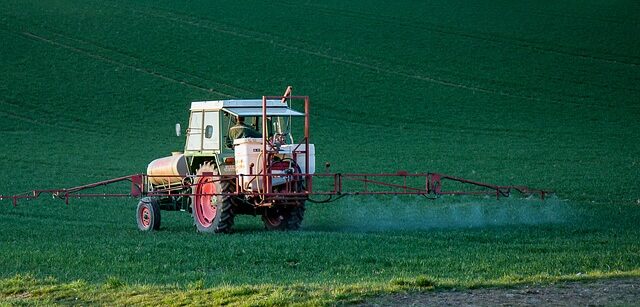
(174, 167)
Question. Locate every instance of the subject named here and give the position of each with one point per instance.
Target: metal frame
(267, 152)
(433, 186)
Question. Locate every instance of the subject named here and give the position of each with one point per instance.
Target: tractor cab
(279, 121)
(210, 137)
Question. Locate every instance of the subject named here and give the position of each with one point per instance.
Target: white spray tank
(248, 161)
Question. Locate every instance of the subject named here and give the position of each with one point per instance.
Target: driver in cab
(241, 130)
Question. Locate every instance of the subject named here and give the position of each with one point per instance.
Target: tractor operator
(242, 130)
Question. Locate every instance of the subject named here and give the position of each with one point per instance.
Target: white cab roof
(280, 111)
(246, 107)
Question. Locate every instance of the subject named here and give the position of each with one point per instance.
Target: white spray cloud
(403, 213)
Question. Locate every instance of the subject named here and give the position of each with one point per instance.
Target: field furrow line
(41, 123)
(86, 126)
(269, 39)
(119, 63)
(598, 85)
(488, 37)
(541, 12)
(140, 63)
(151, 63)
(440, 128)
(445, 127)
(13, 132)
(38, 122)
(39, 109)
(277, 41)
(80, 124)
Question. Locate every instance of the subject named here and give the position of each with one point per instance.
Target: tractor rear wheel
(211, 213)
(289, 218)
(148, 214)
(273, 218)
(296, 215)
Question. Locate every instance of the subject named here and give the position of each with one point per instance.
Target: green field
(538, 93)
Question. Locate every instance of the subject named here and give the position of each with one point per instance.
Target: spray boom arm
(328, 184)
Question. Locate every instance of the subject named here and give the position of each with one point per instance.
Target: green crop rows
(540, 93)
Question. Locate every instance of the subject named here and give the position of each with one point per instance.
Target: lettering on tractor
(254, 156)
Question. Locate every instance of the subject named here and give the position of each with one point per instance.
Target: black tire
(286, 218)
(289, 218)
(211, 213)
(148, 214)
(296, 215)
(274, 218)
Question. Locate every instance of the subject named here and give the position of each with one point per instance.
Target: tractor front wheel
(211, 213)
(148, 214)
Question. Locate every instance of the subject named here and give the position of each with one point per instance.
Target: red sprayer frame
(335, 183)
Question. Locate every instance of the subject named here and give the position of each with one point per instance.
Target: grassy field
(543, 94)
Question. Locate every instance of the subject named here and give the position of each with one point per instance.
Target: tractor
(220, 175)
(241, 157)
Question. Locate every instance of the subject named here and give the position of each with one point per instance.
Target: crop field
(538, 93)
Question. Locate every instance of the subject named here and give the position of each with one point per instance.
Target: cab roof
(246, 107)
